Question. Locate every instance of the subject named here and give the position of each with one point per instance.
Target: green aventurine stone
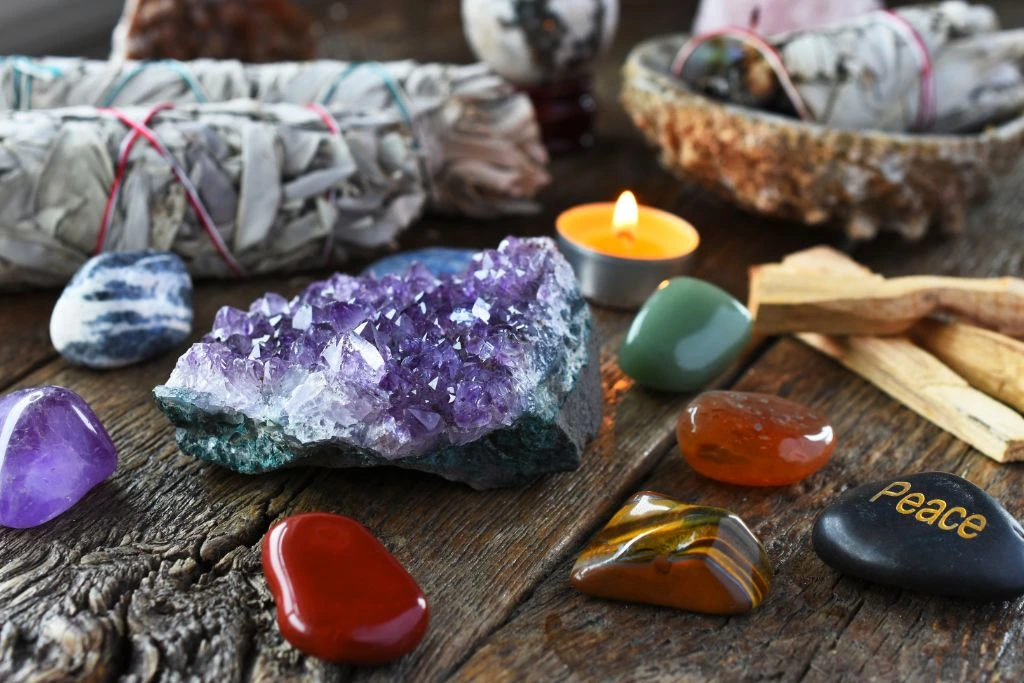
(685, 335)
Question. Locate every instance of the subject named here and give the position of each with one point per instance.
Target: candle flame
(626, 216)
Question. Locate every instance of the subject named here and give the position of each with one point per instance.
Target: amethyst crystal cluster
(488, 376)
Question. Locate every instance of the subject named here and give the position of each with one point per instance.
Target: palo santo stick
(824, 260)
(918, 379)
(787, 299)
(990, 361)
(921, 382)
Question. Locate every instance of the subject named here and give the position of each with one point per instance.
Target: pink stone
(778, 16)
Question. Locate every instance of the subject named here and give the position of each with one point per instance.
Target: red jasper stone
(341, 596)
(753, 439)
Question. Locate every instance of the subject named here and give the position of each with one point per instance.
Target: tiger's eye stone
(753, 439)
(685, 335)
(341, 596)
(659, 551)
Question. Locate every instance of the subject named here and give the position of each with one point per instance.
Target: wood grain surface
(155, 575)
(815, 624)
(25, 329)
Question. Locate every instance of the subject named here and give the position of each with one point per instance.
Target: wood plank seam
(30, 369)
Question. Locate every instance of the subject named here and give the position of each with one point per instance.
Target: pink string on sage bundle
(335, 128)
(927, 110)
(755, 40)
(141, 129)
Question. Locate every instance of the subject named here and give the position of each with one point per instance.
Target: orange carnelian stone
(341, 596)
(753, 439)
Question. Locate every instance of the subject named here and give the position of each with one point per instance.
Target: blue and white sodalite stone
(122, 308)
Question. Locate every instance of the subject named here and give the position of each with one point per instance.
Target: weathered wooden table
(156, 574)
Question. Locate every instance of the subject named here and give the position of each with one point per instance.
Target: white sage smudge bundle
(941, 68)
(283, 191)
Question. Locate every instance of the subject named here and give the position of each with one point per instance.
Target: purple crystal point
(53, 450)
(402, 369)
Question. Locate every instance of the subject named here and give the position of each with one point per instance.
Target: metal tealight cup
(622, 282)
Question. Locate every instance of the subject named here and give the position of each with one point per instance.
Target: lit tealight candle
(622, 252)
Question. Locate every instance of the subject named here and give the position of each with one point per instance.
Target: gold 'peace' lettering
(966, 524)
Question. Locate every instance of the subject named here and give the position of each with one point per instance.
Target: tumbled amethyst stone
(53, 450)
(488, 376)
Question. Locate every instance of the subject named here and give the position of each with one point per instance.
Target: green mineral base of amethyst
(685, 335)
(488, 376)
(535, 445)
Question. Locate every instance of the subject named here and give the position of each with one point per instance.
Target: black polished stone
(931, 532)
